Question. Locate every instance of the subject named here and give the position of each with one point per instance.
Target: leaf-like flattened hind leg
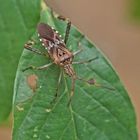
(77, 78)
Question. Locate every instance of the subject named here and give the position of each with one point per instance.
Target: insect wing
(45, 32)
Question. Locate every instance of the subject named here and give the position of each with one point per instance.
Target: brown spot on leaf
(91, 81)
(32, 82)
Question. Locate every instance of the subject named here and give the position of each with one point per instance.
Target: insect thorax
(58, 51)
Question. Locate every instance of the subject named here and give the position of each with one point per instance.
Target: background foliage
(135, 9)
(18, 19)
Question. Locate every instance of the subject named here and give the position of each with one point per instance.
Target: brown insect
(60, 55)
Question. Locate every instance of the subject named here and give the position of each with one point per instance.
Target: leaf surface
(95, 112)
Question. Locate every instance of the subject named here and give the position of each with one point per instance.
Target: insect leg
(29, 47)
(80, 49)
(77, 52)
(72, 90)
(57, 88)
(38, 68)
(86, 61)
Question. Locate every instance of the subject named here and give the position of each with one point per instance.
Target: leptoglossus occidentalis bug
(60, 55)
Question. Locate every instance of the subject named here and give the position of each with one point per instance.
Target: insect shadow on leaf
(60, 55)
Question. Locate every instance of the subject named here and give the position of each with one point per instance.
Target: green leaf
(18, 19)
(135, 9)
(95, 112)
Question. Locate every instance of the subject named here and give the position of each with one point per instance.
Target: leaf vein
(104, 107)
(93, 125)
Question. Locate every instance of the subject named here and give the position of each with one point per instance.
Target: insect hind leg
(57, 88)
(72, 90)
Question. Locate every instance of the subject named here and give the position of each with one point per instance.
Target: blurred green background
(115, 28)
